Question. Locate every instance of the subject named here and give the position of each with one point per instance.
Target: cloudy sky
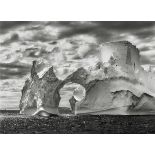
(65, 45)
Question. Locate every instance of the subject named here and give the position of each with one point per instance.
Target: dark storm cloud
(145, 61)
(42, 36)
(12, 70)
(104, 29)
(144, 34)
(35, 27)
(89, 28)
(144, 49)
(126, 25)
(13, 38)
(5, 26)
(115, 25)
(76, 57)
(96, 28)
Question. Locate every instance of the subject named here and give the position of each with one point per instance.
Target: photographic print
(77, 77)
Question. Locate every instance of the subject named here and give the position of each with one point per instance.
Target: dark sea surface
(11, 122)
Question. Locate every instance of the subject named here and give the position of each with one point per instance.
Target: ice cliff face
(115, 85)
(115, 93)
(39, 93)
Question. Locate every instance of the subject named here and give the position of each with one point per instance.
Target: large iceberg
(117, 84)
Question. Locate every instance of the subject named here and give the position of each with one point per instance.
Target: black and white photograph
(77, 77)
